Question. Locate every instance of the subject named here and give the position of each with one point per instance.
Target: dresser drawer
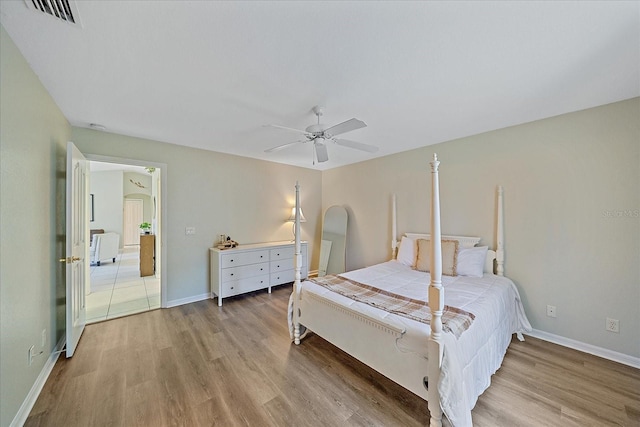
(282, 277)
(250, 284)
(287, 276)
(243, 258)
(244, 271)
(281, 265)
(287, 263)
(282, 253)
(280, 262)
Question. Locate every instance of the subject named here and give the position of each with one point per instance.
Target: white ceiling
(212, 74)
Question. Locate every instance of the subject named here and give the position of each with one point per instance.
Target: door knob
(69, 259)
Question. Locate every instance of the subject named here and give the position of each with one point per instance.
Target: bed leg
(435, 416)
(296, 334)
(433, 396)
(520, 336)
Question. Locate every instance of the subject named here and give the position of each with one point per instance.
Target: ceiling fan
(319, 134)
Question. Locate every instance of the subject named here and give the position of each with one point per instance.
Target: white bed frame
(372, 341)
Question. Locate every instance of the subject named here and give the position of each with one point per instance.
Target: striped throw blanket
(454, 320)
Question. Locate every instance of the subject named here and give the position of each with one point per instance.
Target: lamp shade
(292, 218)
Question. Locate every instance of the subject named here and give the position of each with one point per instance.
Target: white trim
(36, 388)
(188, 300)
(625, 359)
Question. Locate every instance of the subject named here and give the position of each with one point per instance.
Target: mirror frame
(334, 230)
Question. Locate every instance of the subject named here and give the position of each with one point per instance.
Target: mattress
(469, 361)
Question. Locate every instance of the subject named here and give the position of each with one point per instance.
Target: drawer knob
(232, 287)
(231, 261)
(232, 274)
(261, 269)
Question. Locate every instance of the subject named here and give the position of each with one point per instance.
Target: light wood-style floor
(200, 364)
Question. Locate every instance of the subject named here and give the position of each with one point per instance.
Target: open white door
(77, 172)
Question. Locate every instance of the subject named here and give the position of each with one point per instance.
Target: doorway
(125, 194)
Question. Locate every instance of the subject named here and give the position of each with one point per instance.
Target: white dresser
(248, 268)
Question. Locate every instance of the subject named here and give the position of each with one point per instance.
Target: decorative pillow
(471, 261)
(407, 252)
(449, 256)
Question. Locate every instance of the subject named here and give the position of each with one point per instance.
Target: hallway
(118, 290)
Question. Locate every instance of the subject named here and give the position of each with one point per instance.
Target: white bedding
(469, 361)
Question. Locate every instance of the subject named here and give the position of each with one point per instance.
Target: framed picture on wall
(91, 218)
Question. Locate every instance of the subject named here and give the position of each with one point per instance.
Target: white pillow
(471, 261)
(407, 252)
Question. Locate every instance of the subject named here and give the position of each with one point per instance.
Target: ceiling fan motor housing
(319, 134)
(315, 129)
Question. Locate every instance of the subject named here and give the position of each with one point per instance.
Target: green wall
(33, 138)
(572, 203)
(216, 193)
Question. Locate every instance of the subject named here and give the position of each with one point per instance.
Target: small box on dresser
(248, 268)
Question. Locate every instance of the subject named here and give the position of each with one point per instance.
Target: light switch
(190, 231)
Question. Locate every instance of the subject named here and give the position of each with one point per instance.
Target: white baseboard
(587, 348)
(188, 300)
(32, 396)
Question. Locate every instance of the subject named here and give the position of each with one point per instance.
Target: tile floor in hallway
(118, 290)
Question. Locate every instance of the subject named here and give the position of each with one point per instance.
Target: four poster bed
(445, 354)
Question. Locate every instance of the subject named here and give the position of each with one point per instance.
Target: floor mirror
(334, 242)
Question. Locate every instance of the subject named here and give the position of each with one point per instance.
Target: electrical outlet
(44, 338)
(31, 355)
(551, 310)
(613, 325)
(189, 231)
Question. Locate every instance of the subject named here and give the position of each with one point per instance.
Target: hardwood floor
(200, 364)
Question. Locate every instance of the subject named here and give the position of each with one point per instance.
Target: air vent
(64, 10)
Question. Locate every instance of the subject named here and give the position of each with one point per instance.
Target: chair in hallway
(104, 246)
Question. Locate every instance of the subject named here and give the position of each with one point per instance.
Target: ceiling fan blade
(357, 145)
(348, 126)
(291, 129)
(280, 147)
(321, 152)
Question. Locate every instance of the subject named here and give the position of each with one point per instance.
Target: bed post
(297, 266)
(394, 229)
(500, 234)
(436, 301)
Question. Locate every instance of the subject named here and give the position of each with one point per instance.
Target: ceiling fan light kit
(318, 134)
